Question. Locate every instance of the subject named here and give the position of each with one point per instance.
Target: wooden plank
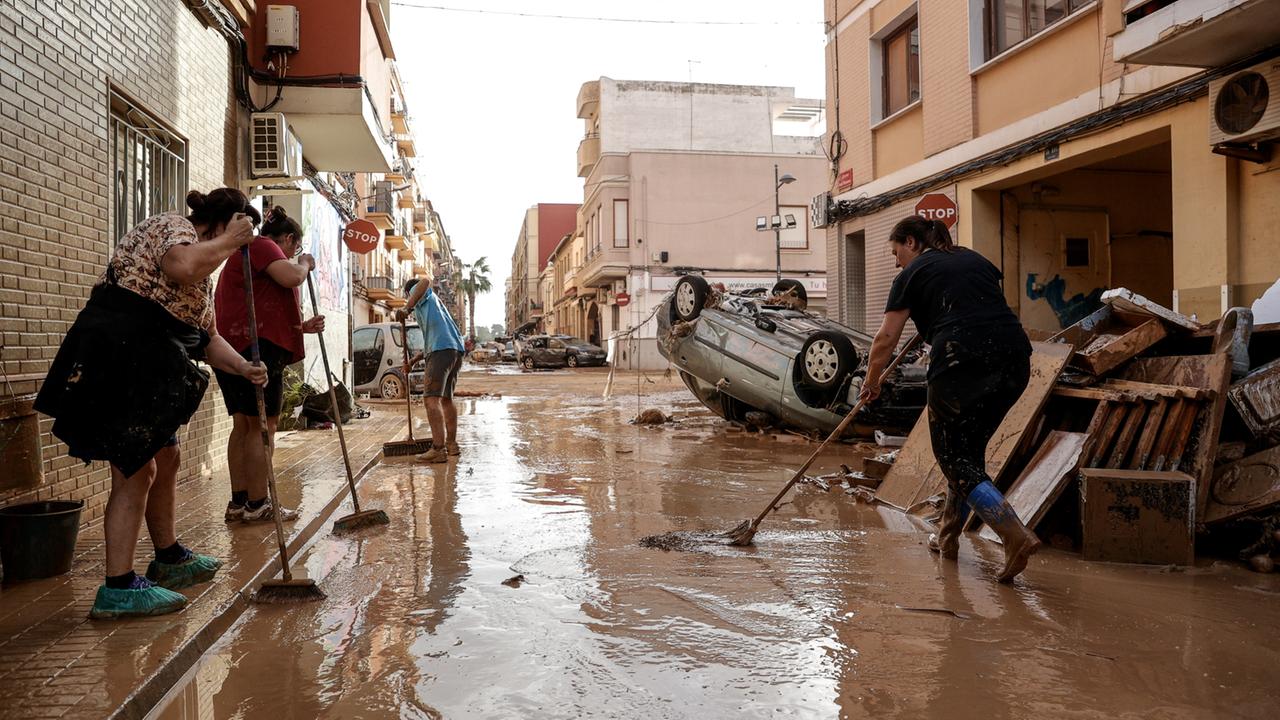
(1093, 393)
(1169, 433)
(1210, 372)
(1154, 389)
(1150, 433)
(1044, 478)
(915, 475)
(1244, 487)
(1182, 435)
(1124, 443)
(1137, 517)
(1128, 301)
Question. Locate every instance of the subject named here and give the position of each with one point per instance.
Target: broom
(357, 519)
(287, 589)
(410, 446)
(743, 534)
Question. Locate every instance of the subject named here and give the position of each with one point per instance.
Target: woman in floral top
(125, 380)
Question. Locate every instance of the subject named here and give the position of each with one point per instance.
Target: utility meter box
(282, 28)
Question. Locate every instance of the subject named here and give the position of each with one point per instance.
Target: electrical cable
(643, 21)
(715, 219)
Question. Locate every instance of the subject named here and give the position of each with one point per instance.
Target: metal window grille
(148, 167)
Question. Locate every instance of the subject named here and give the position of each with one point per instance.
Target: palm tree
(475, 280)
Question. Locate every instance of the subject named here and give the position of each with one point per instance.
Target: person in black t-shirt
(979, 363)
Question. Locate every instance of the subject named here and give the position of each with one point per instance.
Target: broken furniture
(1136, 516)
(1108, 337)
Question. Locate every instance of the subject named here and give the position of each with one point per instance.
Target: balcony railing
(588, 154)
(588, 98)
(380, 287)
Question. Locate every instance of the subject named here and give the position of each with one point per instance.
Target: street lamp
(776, 222)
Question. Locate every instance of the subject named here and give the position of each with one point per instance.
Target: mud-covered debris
(476, 394)
(1262, 563)
(822, 483)
(885, 440)
(758, 420)
(513, 581)
(789, 299)
(652, 416)
(683, 540)
(861, 494)
(938, 610)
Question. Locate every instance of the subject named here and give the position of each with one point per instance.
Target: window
(366, 339)
(1009, 22)
(148, 167)
(1077, 251)
(555, 344)
(901, 67)
(620, 222)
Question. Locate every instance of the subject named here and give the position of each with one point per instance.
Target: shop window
(1077, 252)
(900, 76)
(148, 166)
(1009, 22)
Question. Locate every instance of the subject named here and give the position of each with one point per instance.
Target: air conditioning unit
(274, 151)
(660, 257)
(1245, 106)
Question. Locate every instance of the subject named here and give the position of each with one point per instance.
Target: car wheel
(793, 286)
(826, 358)
(572, 361)
(690, 297)
(528, 363)
(391, 387)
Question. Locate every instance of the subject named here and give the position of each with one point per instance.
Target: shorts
(238, 393)
(442, 373)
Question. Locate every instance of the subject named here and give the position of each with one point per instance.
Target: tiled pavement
(56, 662)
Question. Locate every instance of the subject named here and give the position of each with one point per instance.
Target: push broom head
(406, 447)
(742, 535)
(296, 590)
(362, 519)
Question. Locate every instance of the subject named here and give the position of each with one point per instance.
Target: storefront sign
(361, 236)
(622, 299)
(936, 206)
(844, 180)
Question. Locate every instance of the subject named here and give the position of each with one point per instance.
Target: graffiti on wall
(322, 229)
(1069, 311)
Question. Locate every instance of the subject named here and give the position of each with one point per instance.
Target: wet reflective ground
(839, 610)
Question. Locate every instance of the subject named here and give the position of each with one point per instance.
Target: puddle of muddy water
(845, 614)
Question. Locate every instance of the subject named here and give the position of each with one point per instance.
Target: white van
(378, 360)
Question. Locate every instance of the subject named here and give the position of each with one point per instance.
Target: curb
(155, 690)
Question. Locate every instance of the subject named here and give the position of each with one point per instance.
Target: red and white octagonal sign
(361, 236)
(936, 206)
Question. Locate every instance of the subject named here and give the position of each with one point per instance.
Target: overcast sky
(493, 97)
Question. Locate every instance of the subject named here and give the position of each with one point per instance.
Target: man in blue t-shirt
(443, 346)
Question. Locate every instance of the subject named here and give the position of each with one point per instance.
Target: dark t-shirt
(957, 304)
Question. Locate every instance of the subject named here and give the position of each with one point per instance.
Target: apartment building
(545, 224)
(1080, 145)
(111, 117)
(675, 177)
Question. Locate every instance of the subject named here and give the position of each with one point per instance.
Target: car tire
(787, 284)
(391, 386)
(826, 358)
(690, 297)
(527, 363)
(572, 361)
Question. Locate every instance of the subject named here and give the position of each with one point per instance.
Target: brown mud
(839, 610)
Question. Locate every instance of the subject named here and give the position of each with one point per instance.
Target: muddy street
(838, 611)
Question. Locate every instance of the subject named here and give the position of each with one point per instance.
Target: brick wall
(58, 61)
(946, 90)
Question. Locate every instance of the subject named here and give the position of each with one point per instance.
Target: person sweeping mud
(124, 381)
(444, 348)
(276, 278)
(979, 364)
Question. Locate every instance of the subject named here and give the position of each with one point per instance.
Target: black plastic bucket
(38, 540)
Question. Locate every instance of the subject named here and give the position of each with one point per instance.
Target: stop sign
(622, 299)
(361, 236)
(936, 206)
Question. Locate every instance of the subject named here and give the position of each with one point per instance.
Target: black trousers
(969, 395)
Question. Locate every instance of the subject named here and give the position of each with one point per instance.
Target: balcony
(420, 219)
(1195, 33)
(588, 99)
(400, 121)
(405, 144)
(588, 154)
(406, 201)
(380, 288)
(381, 210)
(407, 253)
(429, 241)
(396, 242)
(419, 270)
(604, 266)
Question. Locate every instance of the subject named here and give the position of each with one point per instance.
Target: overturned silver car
(762, 351)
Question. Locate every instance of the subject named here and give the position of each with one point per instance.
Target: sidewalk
(56, 662)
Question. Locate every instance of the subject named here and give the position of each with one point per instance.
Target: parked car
(509, 352)
(558, 351)
(488, 352)
(801, 368)
(377, 352)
